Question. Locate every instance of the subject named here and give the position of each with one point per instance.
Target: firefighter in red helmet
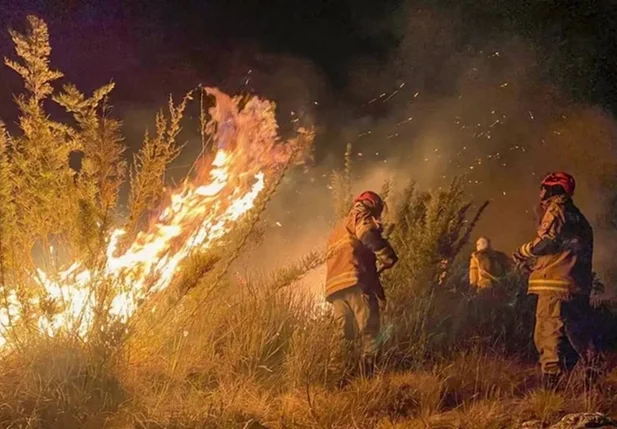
(355, 248)
(559, 263)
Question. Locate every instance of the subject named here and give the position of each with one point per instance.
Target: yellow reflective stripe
(549, 282)
(548, 285)
(340, 243)
(548, 288)
(526, 250)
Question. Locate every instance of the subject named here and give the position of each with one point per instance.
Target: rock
(576, 421)
(585, 420)
(532, 424)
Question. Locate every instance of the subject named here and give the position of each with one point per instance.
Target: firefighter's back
(568, 270)
(342, 264)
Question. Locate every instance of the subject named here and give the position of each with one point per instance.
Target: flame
(194, 214)
(199, 214)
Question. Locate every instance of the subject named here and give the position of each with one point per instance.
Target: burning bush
(140, 326)
(48, 206)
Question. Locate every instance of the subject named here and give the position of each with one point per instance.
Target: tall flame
(198, 215)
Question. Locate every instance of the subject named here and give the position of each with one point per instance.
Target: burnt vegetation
(219, 355)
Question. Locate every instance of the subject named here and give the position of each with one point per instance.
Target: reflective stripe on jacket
(563, 250)
(355, 246)
(487, 268)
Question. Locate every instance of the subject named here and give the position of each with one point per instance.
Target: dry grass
(218, 355)
(60, 384)
(542, 405)
(473, 376)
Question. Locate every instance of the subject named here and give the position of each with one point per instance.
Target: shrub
(217, 353)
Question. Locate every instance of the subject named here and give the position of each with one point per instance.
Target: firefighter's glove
(520, 261)
(387, 230)
(383, 267)
(386, 264)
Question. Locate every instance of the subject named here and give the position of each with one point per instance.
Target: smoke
(466, 91)
(444, 105)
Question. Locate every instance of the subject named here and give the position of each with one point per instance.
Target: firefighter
(487, 267)
(560, 274)
(487, 272)
(355, 249)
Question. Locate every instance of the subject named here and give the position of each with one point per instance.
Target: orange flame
(198, 215)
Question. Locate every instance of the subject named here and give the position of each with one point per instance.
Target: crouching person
(559, 260)
(353, 287)
(487, 267)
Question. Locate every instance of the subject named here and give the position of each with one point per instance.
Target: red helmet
(566, 181)
(371, 199)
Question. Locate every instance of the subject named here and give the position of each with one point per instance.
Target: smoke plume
(442, 106)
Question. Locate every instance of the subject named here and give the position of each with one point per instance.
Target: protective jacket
(563, 250)
(354, 248)
(487, 268)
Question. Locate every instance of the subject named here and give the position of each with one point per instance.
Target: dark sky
(126, 35)
(154, 47)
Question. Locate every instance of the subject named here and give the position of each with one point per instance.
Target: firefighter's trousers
(357, 314)
(563, 330)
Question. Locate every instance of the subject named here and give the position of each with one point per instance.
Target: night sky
(123, 37)
(153, 48)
